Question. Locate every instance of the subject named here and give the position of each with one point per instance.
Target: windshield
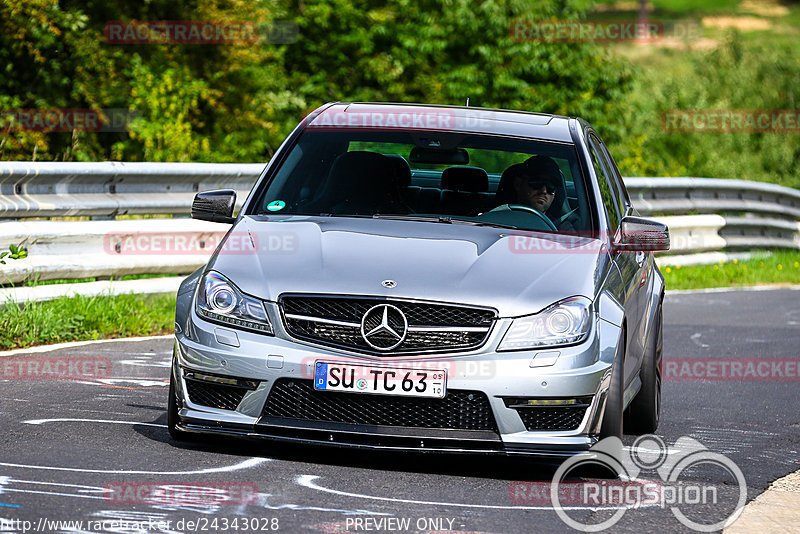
(444, 177)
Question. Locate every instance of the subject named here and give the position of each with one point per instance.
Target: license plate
(399, 381)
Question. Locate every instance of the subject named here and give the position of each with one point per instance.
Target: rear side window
(609, 198)
(619, 185)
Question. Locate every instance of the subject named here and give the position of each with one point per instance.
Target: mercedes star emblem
(384, 327)
(389, 283)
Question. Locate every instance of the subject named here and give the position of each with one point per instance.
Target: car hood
(516, 273)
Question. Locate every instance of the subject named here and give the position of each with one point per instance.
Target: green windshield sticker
(276, 205)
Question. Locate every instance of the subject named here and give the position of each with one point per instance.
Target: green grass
(677, 7)
(779, 267)
(37, 282)
(85, 318)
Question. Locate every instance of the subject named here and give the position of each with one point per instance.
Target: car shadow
(454, 464)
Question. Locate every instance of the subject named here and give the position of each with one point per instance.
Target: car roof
(404, 116)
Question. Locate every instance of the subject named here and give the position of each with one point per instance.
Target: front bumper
(204, 351)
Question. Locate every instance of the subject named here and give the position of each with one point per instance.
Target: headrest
(401, 168)
(472, 179)
(358, 173)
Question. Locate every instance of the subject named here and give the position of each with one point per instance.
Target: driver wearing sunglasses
(537, 191)
(538, 183)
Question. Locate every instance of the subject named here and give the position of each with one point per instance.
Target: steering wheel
(526, 209)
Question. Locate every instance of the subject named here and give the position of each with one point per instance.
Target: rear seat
(465, 191)
(420, 199)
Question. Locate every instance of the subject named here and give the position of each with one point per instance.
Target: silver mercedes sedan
(429, 278)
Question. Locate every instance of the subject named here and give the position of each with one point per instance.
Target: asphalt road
(66, 444)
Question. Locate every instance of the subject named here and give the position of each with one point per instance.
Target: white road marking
(145, 363)
(76, 420)
(54, 493)
(307, 481)
(141, 382)
(104, 412)
(696, 340)
(263, 501)
(731, 289)
(84, 488)
(245, 464)
(71, 344)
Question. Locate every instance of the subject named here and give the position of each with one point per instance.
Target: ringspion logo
(702, 507)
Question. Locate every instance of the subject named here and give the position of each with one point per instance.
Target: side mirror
(638, 234)
(214, 206)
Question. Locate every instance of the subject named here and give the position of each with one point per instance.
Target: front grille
(336, 321)
(458, 410)
(224, 397)
(552, 417)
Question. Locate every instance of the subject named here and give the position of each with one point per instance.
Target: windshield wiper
(483, 223)
(444, 219)
(425, 218)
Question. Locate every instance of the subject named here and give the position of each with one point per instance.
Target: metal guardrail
(114, 188)
(678, 196)
(748, 214)
(61, 250)
(703, 214)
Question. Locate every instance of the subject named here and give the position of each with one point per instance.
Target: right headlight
(220, 301)
(564, 323)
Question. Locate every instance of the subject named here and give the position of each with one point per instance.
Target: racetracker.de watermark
(129, 493)
(605, 492)
(105, 120)
(732, 369)
(160, 32)
(193, 243)
(731, 121)
(581, 242)
(408, 117)
(34, 367)
(600, 31)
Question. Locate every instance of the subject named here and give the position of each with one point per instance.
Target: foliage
(237, 102)
(14, 252)
(738, 75)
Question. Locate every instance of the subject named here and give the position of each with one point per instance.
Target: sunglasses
(538, 184)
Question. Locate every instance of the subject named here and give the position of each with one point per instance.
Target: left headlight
(220, 301)
(563, 323)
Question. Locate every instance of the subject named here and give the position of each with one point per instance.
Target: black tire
(644, 412)
(173, 405)
(613, 413)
